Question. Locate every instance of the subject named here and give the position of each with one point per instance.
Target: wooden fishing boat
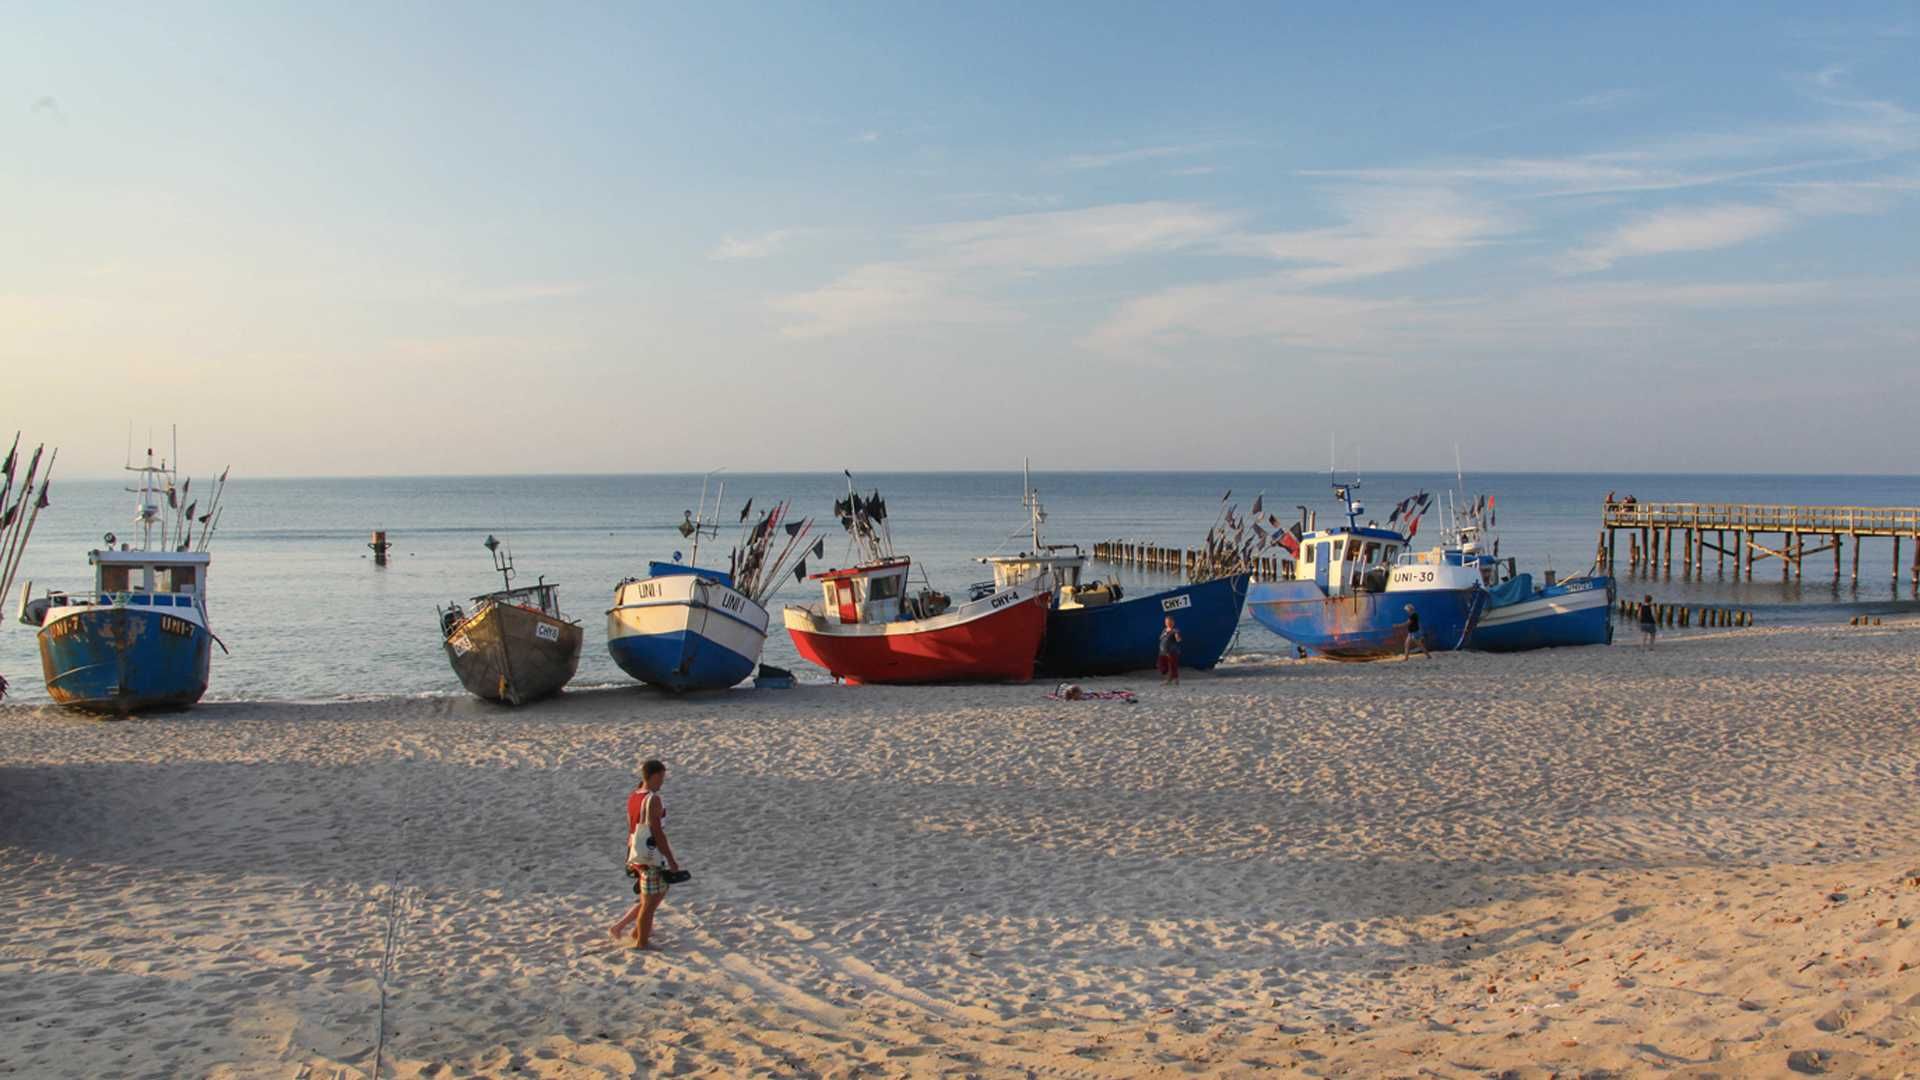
(514, 645)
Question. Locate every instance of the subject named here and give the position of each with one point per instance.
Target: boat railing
(134, 598)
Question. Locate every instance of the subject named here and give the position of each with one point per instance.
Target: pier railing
(1766, 517)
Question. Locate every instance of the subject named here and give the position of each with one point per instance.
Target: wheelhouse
(869, 593)
(1344, 560)
(149, 578)
(543, 598)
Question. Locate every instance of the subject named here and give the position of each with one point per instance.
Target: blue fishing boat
(1096, 628)
(1521, 615)
(1353, 584)
(686, 627)
(139, 641)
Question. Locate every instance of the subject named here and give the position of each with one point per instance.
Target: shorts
(1170, 666)
(647, 881)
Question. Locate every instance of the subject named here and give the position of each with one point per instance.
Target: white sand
(1586, 861)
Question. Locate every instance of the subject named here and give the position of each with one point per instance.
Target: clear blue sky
(359, 238)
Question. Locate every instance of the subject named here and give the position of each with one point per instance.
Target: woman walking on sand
(1648, 624)
(649, 856)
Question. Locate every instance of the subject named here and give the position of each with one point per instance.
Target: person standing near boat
(1170, 654)
(1415, 637)
(1649, 623)
(649, 855)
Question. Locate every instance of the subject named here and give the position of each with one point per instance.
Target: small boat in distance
(1353, 583)
(514, 646)
(870, 629)
(1095, 628)
(686, 627)
(139, 641)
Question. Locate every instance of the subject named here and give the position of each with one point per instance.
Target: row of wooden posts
(1684, 615)
(1655, 529)
(1166, 560)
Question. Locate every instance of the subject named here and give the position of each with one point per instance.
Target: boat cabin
(874, 592)
(543, 598)
(1057, 568)
(1348, 559)
(151, 578)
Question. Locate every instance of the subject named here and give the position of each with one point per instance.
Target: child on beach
(1170, 654)
(649, 856)
(1648, 624)
(1414, 637)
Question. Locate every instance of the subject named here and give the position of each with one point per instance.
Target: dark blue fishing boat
(1095, 628)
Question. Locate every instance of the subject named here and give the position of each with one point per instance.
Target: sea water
(305, 613)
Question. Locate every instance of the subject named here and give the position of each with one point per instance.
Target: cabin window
(1372, 550)
(1306, 553)
(1392, 553)
(122, 578)
(174, 579)
(1353, 550)
(883, 588)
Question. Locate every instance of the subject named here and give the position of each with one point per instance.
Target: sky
(419, 238)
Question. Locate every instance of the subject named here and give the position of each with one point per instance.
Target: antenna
(502, 561)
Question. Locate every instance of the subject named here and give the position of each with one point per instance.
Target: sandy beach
(1702, 860)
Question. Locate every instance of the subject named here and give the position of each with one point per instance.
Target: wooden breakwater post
(380, 547)
(1685, 615)
(1748, 532)
(1138, 555)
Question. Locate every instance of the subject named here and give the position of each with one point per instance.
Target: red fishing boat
(869, 629)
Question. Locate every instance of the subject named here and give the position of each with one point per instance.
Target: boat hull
(684, 632)
(996, 639)
(1574, 612)
(1365, 625)
(122, 660)
(1125, 636)
(512, 655)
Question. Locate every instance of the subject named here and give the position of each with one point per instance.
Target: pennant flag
(745, 510)
(173, 498)
(1289, 544)
(41, 503)
(877, 508)
(205, 516)
(1273, 521)
(800, 570)
(1496, 547)
(190, 507)
(859, 506)
(13, 511)
(849, 473)
(820, 548)
(1227, 496)
(186, 487)
(12, 454)
(793, 528)
(1413, 527)
(223, 472)
(1255, 511)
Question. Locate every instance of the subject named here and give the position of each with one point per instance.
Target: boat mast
(1034, 514)
(700, 524)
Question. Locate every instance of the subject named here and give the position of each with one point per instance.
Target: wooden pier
(1747, 533)
(1166, 560)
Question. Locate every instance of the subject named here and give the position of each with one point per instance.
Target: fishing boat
(687, 627)
(139, 641)
(1520, 615)
(17, 519)
(1096, 628)
(512, 645)
(870, 628)
(1351, 586)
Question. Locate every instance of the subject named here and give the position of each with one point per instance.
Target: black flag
(746, 509)
(190, 507)
(173, 498)
(1255, 511)
(800, 570)
(820, 548)
(41, 502)
(12, 453)
(224, 472)
(792, 527)
(13, 511)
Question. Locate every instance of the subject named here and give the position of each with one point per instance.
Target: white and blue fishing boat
(1521, 615)
(1096, 628)
(686, 627)
(139, 641)
(1352, 585)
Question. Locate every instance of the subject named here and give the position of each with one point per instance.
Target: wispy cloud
(1387, 230)
(1061, 238)
(1669, 231)
(1131, 155)
(523, 292)
(883, 295)
(866, 137)
(753, 247)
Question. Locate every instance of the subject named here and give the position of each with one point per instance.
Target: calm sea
(308, 616)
